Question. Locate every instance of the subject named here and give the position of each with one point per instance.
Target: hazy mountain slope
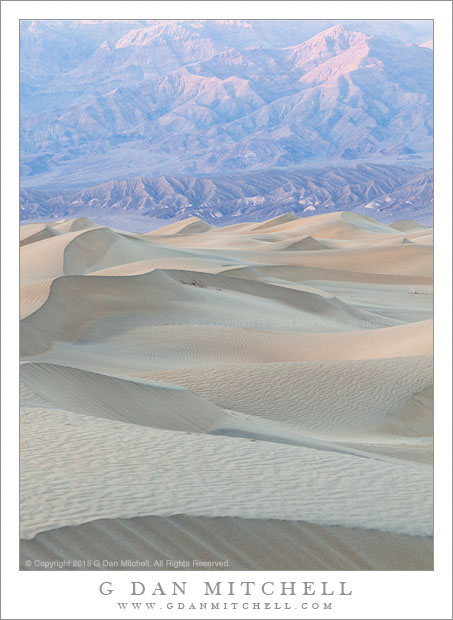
(58, 46)
(386, 192)
(215, 97)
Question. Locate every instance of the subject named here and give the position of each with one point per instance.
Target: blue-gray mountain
(385, 192)
(111, 100)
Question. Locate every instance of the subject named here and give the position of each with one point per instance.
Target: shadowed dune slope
(32, 233)
(407, 226)
(246, 544)
(415, 416)
(305, 244)
(82, 251)
(153, 404)
(173, 296)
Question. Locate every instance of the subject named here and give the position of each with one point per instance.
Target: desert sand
(259, 395)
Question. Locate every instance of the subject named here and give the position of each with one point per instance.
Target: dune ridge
(154, 404)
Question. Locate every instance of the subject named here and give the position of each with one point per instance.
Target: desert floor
(257, 396)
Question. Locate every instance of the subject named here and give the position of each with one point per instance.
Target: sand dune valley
(255, 396)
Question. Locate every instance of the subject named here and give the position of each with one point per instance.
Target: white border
(376, 595)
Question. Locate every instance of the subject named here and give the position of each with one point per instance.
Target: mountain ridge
(189, 98)
(386, 192)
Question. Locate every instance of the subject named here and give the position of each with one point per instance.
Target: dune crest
(277, 221)
(307, 243)
(36, 232)
(154, 404)
(79, 223)
(184, 227)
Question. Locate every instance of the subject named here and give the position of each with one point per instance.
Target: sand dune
(340, 225)
(103, 248)
(154, 404)
(277, 221)
(162, 347)
(159, 405)
(407, 225)
(415, 416)
(106, 305)
(328, 399)
(425, 239)
(79, 223)
(187, 226)
(187, 392)
(205, 265)
(302, 273)
(36, 232)
(43, 260)
(164, 473)
(28, 230)
(246, 544)
(380, 257)
(399, 260)
(82, 251)
(306, 243)
(33, 296)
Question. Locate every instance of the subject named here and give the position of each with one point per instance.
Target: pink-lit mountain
(180, 98)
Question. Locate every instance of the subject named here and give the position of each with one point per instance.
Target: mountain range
(126, 102)
(385, 192)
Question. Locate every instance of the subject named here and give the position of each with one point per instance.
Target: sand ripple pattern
(335, 398)
(84, 468)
